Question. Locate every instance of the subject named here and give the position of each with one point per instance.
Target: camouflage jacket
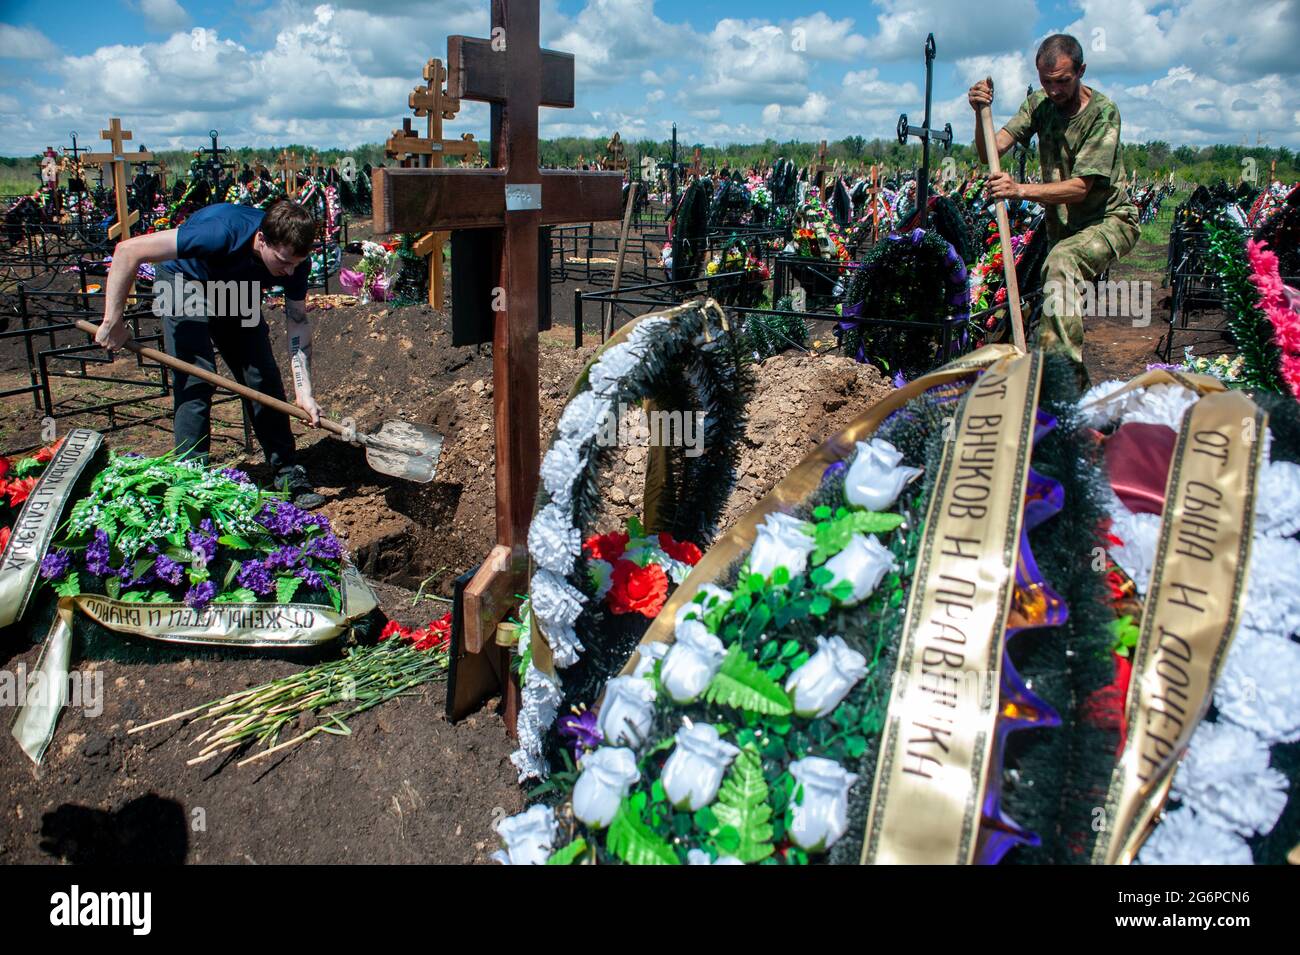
(1086, 144)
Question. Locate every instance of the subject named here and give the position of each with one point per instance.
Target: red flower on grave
(436, 635)
(1117, 585)
(4, 537)
(47, 453)
(608, 547)
(18, 491)
(637, 589)
(4, 467)
(392, 629)
(684, 551)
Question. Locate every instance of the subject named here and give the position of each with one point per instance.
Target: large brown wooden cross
(432, 102)
(116, 162)
(514, 198)
(821, 169)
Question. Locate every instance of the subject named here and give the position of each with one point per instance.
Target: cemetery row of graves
(691, 581)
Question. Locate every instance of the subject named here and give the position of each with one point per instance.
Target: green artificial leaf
(833, 536)
(757, 622)
(756, 582)
(160, 597)
(742, 808)
(706, 820)
(569, 853)
(113, 586)
(776, 671)
(629, 838)
(25, 466)
(842, 591)
(285, 588)
(821, 605)
(336, 598)
(173, 497)
(241, 596)
(781, 576)
(140, 566)
(657, 792)
(822, 512)
(789, 649)
(235, 541)
(231, 573)
(821, 576)
(133, 597)
(855, 746)
(70, 585)
(740, 683)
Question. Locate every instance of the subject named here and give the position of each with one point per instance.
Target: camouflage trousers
(1075, 259)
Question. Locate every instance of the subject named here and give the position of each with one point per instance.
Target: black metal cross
(925, 133)
(215, 155)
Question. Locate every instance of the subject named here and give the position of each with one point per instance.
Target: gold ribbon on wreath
(1192, 608)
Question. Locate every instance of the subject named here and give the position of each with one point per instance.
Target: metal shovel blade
(404, 450)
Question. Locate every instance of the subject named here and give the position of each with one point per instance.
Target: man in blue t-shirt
(210, 276)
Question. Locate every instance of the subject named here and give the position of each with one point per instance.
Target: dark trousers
(248, 353)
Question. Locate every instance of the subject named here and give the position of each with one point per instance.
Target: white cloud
(961, 28)
(611, 38)
(814, 111)
(827, 39)
(25, 43)
(1184, 106)
(164, 16)
(751, 61)
(1230, 39)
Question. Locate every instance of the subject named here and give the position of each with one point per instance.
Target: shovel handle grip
(212, 378)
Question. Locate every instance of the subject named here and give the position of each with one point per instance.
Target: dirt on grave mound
(799, 401)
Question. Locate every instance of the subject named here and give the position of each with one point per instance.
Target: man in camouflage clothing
(1090, 220)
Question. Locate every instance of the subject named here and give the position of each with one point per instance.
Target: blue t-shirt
(216, 244)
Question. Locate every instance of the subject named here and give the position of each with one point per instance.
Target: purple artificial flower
(286, 558)
(899, 379)
(204, 541)
(256, 577)
(97, 554)
(327, 547)
(1161, 366)
(311, 578)
(169, 570)
(234, 474)
(284, 519)
(199, 595)
(581, 728)
(55, 564)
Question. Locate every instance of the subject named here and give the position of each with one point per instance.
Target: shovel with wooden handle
(399, 449)
(1004, 228)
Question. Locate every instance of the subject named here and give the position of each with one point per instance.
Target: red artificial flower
(4, 467)
(637, 589)
(608, 547)
(47, 453)
(392, 629)
(1115, 582)
(19, 490)
(684, 551)
(4, 538)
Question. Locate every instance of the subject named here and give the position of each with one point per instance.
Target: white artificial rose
(700, 857)
(648, 654)
(613, 366)
(607, 775)
(863, 562)
(628, 711)
(822, 817)
(691, 662)
(528, 837)
(826, 678)
(696, 608)
(780, 542)
(875, 479)
(694, 770)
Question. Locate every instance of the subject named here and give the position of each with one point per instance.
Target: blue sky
(268, 72)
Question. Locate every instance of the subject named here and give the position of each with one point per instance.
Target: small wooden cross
(614, 153)
(514, 198)
(821, 168)
(432, 102)
(287, 166)
(116, 161)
